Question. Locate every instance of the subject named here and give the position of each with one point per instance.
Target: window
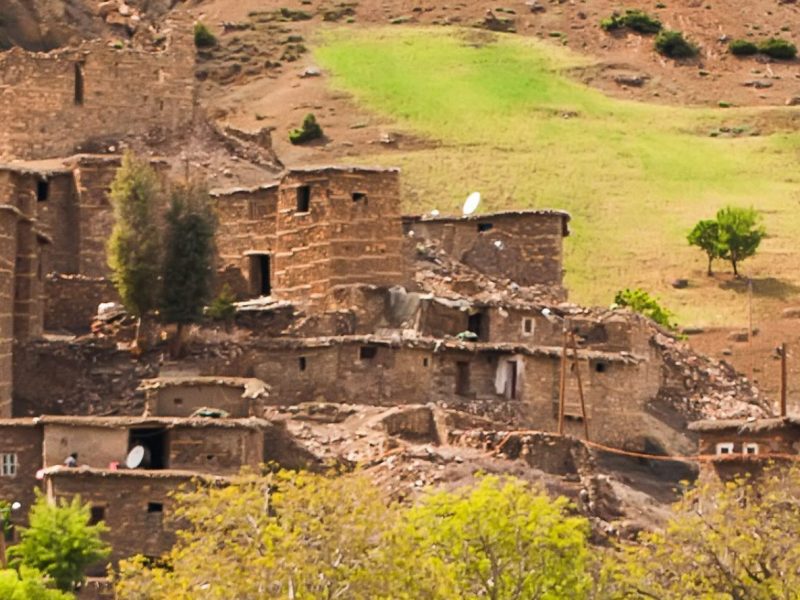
(177, 401)
(78, 84)
(360, 197)
(600, 366)
(725, 448)
(750, 448)
(475, 324)
(527, 326)
(303, 198)
(42, 190)
(155, 507)
(425, 362)
(8, 465)
(301, 363)
(260, 275)
(484, 227)
(367, 352)
(97, 514)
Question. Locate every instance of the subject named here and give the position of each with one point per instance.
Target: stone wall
(70, 301)
(525, 247)
(8, 253)
(136, 506)
(64, 101)
(345, 231)
(23, 438)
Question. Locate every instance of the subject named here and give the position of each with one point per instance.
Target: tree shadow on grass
(766, 287)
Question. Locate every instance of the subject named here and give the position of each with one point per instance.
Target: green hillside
(508, 121)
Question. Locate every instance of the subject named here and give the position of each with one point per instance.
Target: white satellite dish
(435, 212)
(472, 203)
(137, 457)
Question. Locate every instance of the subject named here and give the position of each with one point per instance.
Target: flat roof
(744, 425)
(341, 168)
(500, 214)
(165, 422)
(251, 387)
(84, 471)
(217, 192)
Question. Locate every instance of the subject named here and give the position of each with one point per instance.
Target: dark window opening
(475, 325)
(155, 507)
(425, 362)
(511, 380)
(302, 363)
(359, 197)
(156, 447)
(527, 326)
(78, 84)
(462, 378)
(303, 198)
(367, 352)
(42, 190)
(600, 366)
(9, 533)
(260, 275)
(178, 401)
(484, 227)
(209, 457)
(97, 514)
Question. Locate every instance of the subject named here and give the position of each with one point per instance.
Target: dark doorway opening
(511, 379)
(42, 190)
(156, 445)
(475, 324)
(462, 378)
(303, 198)
(78, 84)
(97, 514)
(260, 275)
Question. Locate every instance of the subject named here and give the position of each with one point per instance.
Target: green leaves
(59, 542)
(734, 235)
(640, 301)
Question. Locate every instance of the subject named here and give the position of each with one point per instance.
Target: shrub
(203, 38)
(674, 45)
(640, 301)
(309, 131)
(742, 48)
(223, 307)
(636, 20)
(778, 48)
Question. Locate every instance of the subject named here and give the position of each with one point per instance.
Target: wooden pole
(580, 383)
(562, 384)
(750, 328)
(783, 379)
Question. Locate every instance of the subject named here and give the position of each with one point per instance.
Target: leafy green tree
(640, 301)
(726, 541)
(28, 584)
(286, 535)
(134, 249)
(705, 235)
(188, 256)
(740, 234)
(499, 539)
(59, 541)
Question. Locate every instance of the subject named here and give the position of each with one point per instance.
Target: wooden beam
(783, 379)
(563, 382)
(580, 384)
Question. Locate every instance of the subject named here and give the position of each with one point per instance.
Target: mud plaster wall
(132, 528)
(220, 451)
(530, 252)
(26, 442)
(182, 401)
(97, 447)
(70, 302)
(339, 240)
(246, 224)
(124, 92)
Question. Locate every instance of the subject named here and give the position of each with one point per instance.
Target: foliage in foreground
(309, 536)
(59, 542)
(643, 303)
(28, 584)
(732, 541)
(310, 130)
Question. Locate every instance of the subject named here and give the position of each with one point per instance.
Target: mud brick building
(745, 446)
(80, 99)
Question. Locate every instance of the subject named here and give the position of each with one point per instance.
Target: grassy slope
(635, 177)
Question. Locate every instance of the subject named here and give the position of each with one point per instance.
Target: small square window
(750, 448)
(367, 352)
(485, 227)
(8, 465)
(725, 448)
(155, 507)
(359, 197)
(527, 326)
(177, 401)
(97, 514)
(600, 366)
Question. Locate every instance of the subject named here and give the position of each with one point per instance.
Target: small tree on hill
(188, 256)
(134, 249)
(740, 234)
(705, 236)
(59, 542)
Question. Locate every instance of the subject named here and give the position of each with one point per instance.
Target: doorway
(260, 275)
(156, 444)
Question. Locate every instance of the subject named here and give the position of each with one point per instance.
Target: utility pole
(750, 328)
(562, 387)
(783, 379)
